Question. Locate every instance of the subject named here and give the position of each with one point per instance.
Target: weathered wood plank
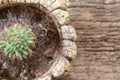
(97, 23)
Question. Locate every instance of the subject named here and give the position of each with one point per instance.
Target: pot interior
(47, 42)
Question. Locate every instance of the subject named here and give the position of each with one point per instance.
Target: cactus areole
(16, 41)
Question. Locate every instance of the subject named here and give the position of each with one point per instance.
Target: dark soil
(46, 43)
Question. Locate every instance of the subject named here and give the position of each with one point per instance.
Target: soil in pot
(47, 42)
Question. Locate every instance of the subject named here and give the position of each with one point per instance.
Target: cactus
(17, 41)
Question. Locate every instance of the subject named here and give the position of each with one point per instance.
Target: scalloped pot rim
(57, 9)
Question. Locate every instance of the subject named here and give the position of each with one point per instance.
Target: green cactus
(16, 41)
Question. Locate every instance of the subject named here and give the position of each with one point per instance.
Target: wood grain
(97, 23)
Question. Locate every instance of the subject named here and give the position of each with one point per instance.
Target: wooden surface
(97, 23)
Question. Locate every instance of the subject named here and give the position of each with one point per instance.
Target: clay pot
(57, 10)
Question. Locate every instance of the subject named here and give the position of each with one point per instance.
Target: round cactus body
(16, 41)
